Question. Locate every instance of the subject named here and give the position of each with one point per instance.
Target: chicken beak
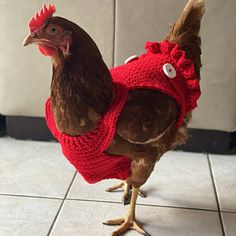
(28, 40)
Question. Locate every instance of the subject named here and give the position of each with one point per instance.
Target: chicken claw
(128, 222)
(127, 191)
(126, 187)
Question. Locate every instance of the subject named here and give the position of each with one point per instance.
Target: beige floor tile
(82, 190)
(229, 220)
(20, 216)
(224, 171)
(182, 179)
(85, 218)
(33, 168)
(179, 179)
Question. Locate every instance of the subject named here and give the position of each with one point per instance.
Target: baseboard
(34, 128)
(199, 140)
(2, 126)
(210, 141)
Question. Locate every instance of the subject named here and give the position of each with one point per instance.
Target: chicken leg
(129, 221)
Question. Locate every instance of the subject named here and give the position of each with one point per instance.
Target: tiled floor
(41, 195)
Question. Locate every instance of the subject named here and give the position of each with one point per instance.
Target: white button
(132, 58)
(169, 70)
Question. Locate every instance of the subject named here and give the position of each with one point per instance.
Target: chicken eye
(169, 70)
(53, 30)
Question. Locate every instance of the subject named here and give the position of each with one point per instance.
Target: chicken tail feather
(185, 31)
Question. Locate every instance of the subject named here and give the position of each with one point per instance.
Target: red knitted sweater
(163, 67)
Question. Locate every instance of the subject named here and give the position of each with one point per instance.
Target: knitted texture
(147, 72)
(87, 152)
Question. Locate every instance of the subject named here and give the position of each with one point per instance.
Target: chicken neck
(81, 90)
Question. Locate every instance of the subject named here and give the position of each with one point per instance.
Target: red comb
(40, 17)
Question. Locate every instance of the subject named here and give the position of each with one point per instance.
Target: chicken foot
(128, 222)
(127, 191)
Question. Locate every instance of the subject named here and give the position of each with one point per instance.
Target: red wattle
(47, 50)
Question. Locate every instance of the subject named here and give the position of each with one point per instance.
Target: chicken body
(81, 92)
(78, 112)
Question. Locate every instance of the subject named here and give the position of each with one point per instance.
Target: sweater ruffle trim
(185, 67)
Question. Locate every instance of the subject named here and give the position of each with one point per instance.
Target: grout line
(216, 195)
(113, 202)
(59, 210)
(233, 212)
(114, 33)
(30, 196)
(180, 207)
(142, 204)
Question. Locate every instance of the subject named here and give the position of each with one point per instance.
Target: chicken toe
(127, 191)
(129, 222)
(126, 187)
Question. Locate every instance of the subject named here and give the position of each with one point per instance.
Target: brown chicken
(82, 90)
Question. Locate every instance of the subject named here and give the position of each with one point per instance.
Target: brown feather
(81, 87)
(185, 31)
